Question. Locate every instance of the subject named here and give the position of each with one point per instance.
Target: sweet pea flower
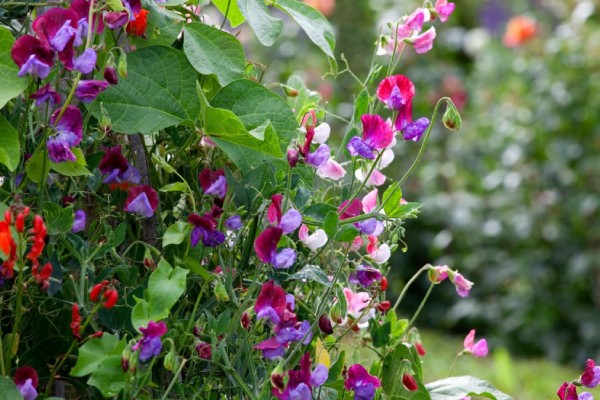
(415, 21)
(68, 134)
(302, 382)
(288, 222)
(134, 6)
(319, 157)
(271, 348)
(32, 57)
(82, 8)
(88, 90)
(150, 344)
(116, 19)
(357, 302)
(568, 391)
(415, 129)
(478, 349)
(57, 28)
(397, 92)
(86, 61)
(377, 135)
(213, 182)
(365, 276)
(361, 382)
(379, 254)
(591, 375)
(443, 9)
(117, 170)
(205, 228)
(375, 179)
(79, 221)
(322, 132)
(233, 223)
(331, 170)
(314, 241)
(424, 41)
(46, 93)
(369, 202)
(294, 333)
(26, 379)
(463, 286)
(265, 247)
(141, 200)
(271, 303)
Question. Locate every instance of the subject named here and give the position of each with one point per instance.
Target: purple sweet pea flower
(205, 228)
(591, 375)
(463, 286)
(265, 246)
(377, 135)
(585, 396)
(271, 303)
(233, 223)
(370, 226)
(32, 56)
(302, 382)
(213, 182)
(88, 90)
(82, 8)
(79, 222)
(319, 157)
(300, 331)
(69, 131)
(63, 36)
(271, 348)
(361, 382)
(26, 380)
(150, 344)
(46, 93)
(116, 19)
(86, 61)
(116, 168)
(414, 130)
(141, 200)
(57, 28)
(134, 6)
(365, 276)
(288, 222)
(478, 349)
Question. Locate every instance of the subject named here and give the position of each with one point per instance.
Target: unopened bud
(122, 65)
(292, 157)
(451, 118)
(420, 349)
(383, 306)
(110, 74)
(204, 350)
(221, 292)
(325, 325)
(289, 91)
(336, 314)
(245, 320)
(104, 122)
(277, 378)
(20, 223)
(384, 284)
(170, 362)
(409, 382)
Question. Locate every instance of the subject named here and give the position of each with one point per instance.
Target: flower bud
(409, 382)
(204, 350)
(325, 325)
(170, 362)
(20, 223)
(122, 65)
(420, 349)
(245, 320)
(110, 75)
(95, 292)
(384, 284)
(289, 91)
(292, 157)
(451, 118)
(8, 216)
(221, 292)
(336, 314)
(383, 306)
(277, 378)
(111, 297)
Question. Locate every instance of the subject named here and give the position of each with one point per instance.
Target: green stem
(425, 140)
(362, 184)
(174, 379)
(19, 305)
(414, 317)
(408, 284)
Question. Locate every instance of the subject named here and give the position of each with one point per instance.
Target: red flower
(111, 297)
(137, 27)
(42, 277)
(5, 237)
(76, 321)
(409, 382)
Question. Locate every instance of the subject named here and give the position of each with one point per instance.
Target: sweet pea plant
(174, 228)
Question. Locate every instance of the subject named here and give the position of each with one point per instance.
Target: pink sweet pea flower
(397, 92)
(369, 202)
(439, 273)
(444, 9)
(591, 375)
(478, 349)
(416, 20)
(314, 241)
(361, 382)
(567, 391)
(424, 41)
(331, 170)
(357, 302)
(379, 254)
(463, 286)
(322, 133)
(271, 303)
(377, 135)
(141, 200)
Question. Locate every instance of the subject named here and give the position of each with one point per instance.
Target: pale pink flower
(424, 41)
(478, 349)
(463, 286)
(331, 170)
(379, 254)
(357, 302)
(322, 133)
(369, 202)
(444, 9)
(314, 241)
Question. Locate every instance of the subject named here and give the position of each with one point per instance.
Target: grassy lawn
(523, 379)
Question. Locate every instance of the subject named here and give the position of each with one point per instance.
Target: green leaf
(158, 92)
(312, 273)
(318, 211)
(163, 26)
(72, 168)
(381, 335)
(391, 198)
(254, 104)
(174, 187)
(313, 23)
(9, 389)
(392, 370)
(230, 9)
(95, 351)
(306, 98)
(194, 265)
(347, 233)
(163, 163)
(38, 166)
(406, 211)
(176, 233)
(336, 369)
(361, 104)
(109, 377)
(10, 149)
(265, 27)
(461, 386)
(58, 219)
(11, 84)
(212, 51)
(330, 223)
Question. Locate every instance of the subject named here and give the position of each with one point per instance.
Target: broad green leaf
(72, 168)
(109, 377)
(58, 219)
(254, 104)
(176, 233)
(313, 23)
(306, 99)
(38, 166)
(10, 149)
(158, 92)
(318, 211)
(312, 273)
(259, 131)
(174, 187)
(336, 369)
(11, 84)
(162, 28)
(95, 351)
(330, 223)
(393, 368)
(9, 389)
(391, 198)
(405, 211)
(361, 104)
(265, 27)
(212, 51)
(347, 233)
(194, 265)
(381, 335)
(229, 8)
(462, 386)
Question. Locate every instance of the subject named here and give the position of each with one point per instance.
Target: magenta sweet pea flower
(478, 349)
(302, 382)
(265, 246)
(79, 221)
(82, 8)
(213, 182)
(271, 303)
(444, 9)
(352, 210)
(150, 344)
(57, 28)
(463, 286)
(116, 19)
(271, 348)
(88, 90)
(567, 391)
(68, 134)
(365, 276)
(591, 375)
(205, 228)
(397, 92)
(141, 200)
(377, 135)
(32, 56)
(134, 7)
(117, 169)
(46, 93)
(288, 222)
(86, 61)
(361, 382)
(26, 379)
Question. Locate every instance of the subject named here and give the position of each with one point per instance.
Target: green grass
(523, 379)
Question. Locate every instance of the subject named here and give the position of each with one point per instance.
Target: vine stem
(174, 379)
(362, 185)
(19, 305)
(408, 284)
(416, 314)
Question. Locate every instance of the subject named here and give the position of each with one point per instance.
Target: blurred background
(512, 199)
